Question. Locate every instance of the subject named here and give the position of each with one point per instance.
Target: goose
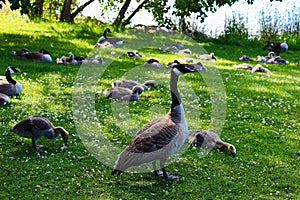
(67, 60)
(42, 55)
(169, 49)
(112, 40)
(209, 139)
(197, 65)
(265, 59)
(179, 45)
(35, 127)
(245, 58)
(9, 86)
(260, 68)
(185, 51)
(134, 53)
(277, 60)
(277, 47)
(298, 63)
(96, 60)
(4, 99)
(104, 36)
(130, 84)
(210, 56)
(104, 45)
(153, 63)
(161, 137)
(125, 94)
(243, 66)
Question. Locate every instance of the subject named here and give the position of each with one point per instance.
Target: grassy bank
(262, 121)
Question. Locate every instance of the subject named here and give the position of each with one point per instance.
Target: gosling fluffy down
(209, 139)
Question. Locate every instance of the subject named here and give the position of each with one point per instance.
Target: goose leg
(163, 173)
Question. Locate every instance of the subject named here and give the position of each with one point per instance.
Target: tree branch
(127, 21)
(80, 8)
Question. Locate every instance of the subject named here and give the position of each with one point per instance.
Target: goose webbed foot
(165, 174)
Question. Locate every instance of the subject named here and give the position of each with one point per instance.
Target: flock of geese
(155, 141)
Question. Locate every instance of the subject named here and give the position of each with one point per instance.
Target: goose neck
(9, 78)
(174, 90)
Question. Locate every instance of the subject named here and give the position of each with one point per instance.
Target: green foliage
(262, 121)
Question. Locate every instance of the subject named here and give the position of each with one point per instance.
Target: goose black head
(64, 134)
(186, 68)
(107, 30)
(232, 150)
(12, 69)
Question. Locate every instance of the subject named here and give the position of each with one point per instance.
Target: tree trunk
(127, 21)
(39, 8)
(121, 15)
(65, 15)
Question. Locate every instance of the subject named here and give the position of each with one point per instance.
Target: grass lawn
(258, 113)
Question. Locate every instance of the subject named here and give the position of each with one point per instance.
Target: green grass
(262, 121)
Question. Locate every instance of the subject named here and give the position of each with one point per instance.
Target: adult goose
(8, 85)
(125, 94)
(161, 137)
(209, 139)
(35, 127)
(153, 63)
(42, 55)
(277, 47)
(130, 84)
(4, 99)
(104, 36)
(210, 56)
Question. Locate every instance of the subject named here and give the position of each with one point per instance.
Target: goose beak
(234, 154)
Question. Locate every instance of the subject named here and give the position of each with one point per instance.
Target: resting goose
(210, 56)
(124, 94)
(35, 127)
(153, 63)
(134, 53)
(260, 68)
(67, 60)
(130, 84)
(169, 49)
(277, 47)
(42, 55)
(209, 139)
(243, 66)
(265, 59)
(161, 137)
(9, 86)
(104, 36)
(4, 99)
(245, 58)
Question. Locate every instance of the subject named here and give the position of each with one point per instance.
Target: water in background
(286, 13)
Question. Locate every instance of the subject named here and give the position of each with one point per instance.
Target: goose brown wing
(40, 123)
(154, 136)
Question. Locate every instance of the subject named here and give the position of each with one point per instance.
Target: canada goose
(209, 139)
(134, 53)
(35, 126)
(161, 137)
(153, 63)
(9, 86)
(170, 49)
(277, 47)
(298, 63)
(130, 84)
(104, 36)
(197, 65)
(104, 45)
(277, 60)
(96, 60)
(243, 66)
(259, 68)
(4, 99)
(185, 51)
(42, 55)
(125, 94)
(245, 58)
(210, 56)
(179, 45)
(265, 59)
(67, 60)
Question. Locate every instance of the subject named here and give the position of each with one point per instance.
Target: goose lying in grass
(42, 55)
(104, 36)
(153, 63)
(35, 127)
(209, 139)
(245, 58)
(185, 51)
(130, 84)
(105, 45)
(67, 60)
(277, 47)
(161, 137)
(4, 99)
(256, 68)
(210, 56)
(272, 59)
(124, 94)
(8, 85)
(134, 53)
(169, 49)
(96, 60)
